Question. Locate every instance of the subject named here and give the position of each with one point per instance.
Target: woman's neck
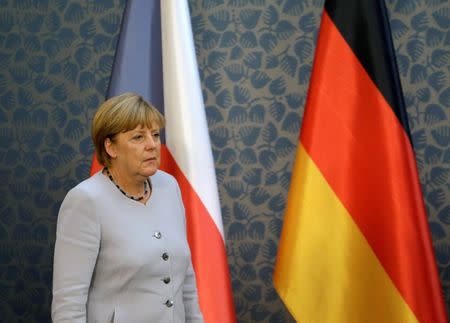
(133, 185)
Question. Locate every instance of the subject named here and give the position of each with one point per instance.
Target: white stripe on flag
(187, 136)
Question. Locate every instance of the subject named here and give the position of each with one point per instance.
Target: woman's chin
(149, 171)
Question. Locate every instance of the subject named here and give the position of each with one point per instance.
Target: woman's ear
(110, 148)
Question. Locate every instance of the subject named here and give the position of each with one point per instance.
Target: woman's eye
(138, 137)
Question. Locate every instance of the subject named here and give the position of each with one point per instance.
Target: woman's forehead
(144, 127)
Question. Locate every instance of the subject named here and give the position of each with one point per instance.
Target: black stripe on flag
(372, 44)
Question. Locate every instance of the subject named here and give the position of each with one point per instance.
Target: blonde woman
(121, 252)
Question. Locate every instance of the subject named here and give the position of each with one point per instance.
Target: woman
(121, 253)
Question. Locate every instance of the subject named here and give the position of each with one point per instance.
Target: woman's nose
(150, 142)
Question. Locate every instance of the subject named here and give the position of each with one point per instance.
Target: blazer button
(169, 303)
(165, 256)
(157, 235)
(166, 280)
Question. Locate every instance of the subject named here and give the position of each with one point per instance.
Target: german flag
(355, 245)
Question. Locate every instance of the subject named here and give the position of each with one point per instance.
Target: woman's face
(136, 153)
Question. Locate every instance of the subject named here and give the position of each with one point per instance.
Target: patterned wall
(255, 59)
(55, 62)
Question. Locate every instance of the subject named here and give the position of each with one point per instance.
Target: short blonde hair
(120, 114)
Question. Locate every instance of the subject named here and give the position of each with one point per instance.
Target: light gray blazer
(117, 260)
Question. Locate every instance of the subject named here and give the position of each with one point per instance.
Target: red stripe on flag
(207, 248)
(365, 155)
(96, 166)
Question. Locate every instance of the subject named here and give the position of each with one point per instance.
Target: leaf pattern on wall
(255, 59)
(53, 54)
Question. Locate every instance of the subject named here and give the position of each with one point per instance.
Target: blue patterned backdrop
(55, 62)
(255, 59)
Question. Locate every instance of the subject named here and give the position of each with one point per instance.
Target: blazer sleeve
(76, 249)
(190, 293)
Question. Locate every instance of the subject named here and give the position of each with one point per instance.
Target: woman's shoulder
(162, 179)
(90, 187)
